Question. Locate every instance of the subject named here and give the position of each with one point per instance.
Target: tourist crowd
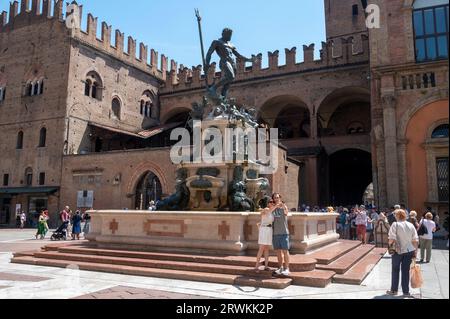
(71, 224)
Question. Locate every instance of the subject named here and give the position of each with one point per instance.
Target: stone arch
(408, 115)
(116, 108)
(419, 152)
(148, 190)
(294, 121)
(168, 117)
(337, 149)
(341, 107)
(143, 169)
(147, 104)
(271, 109)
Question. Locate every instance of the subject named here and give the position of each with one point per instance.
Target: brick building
(85, 123)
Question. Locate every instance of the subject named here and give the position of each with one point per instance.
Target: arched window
(43, 137)
(35, 88)
(19, 144)
(440, 132)
(147, 104)
(93, 86)
(115, 109)
(29, 176)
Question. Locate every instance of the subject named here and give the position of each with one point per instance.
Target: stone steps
(359, 272)
(330, 253)
(347, 261)
(24, 254)
(229, 279)
(158, 264)
(316, 278)
(299, 263)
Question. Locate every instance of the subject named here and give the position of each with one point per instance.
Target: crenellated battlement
(336, 52)
(134, 54)
(344, 51)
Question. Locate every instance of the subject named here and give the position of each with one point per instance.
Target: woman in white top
(265, 235)
(426, 241)
(404, 236)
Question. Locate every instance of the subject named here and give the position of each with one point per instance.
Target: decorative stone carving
(238, 199)
(388, 100)
(379, 133)
(205, 192)
(257, 189)
(208, 171)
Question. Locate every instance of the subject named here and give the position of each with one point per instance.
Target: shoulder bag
(423, 230)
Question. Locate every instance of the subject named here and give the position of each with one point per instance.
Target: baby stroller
(60, 233)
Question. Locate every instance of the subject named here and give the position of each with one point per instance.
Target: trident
(199, 19)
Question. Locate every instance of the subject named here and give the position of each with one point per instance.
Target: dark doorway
(5, 211)
(350, 174)
(148, 189)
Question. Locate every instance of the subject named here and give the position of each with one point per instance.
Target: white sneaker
(279, 271)
(286, 272)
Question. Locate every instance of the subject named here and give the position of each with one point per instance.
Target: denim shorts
(281, 242)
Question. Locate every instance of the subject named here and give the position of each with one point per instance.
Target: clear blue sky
(170, 26)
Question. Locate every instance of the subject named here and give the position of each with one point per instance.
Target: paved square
(121, 292)
(72, 283)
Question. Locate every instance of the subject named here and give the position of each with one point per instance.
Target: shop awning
(28, 190)
(140, 134)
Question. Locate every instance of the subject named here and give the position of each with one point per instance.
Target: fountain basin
(219, 233)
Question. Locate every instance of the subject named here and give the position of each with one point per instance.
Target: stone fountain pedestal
(218, 233)
(209, 178)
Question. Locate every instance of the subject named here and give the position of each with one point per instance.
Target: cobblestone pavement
(26, 281)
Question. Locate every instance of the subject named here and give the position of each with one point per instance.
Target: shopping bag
(416, 276)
